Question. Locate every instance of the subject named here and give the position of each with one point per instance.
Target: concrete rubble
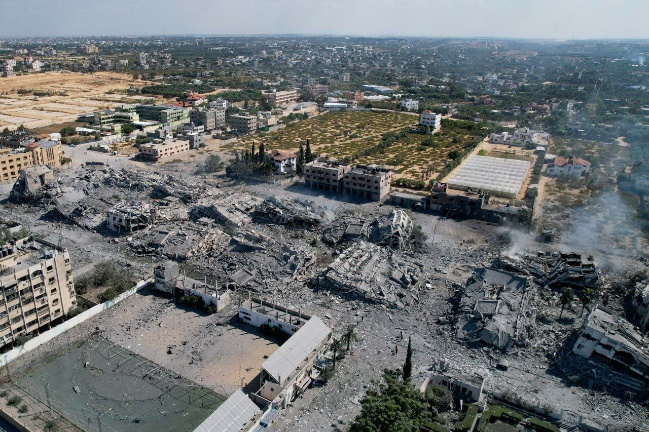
(282, 211)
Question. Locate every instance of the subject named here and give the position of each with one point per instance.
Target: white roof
(231, 416)
(283, 362)
(491, 174)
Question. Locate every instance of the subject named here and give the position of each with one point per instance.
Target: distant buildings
(521, 137)
(570, 166)
(275, 97)
(211, 118)
(315, 89)
(410, 104)
(220, 103)
(90, 49)
(166, 114)
(377, 89)
(431, 119)
(37, 286)
(357, 96)
(243, 123)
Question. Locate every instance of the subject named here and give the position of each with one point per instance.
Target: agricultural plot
(357, 137)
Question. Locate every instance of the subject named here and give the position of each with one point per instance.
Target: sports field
(101, 386)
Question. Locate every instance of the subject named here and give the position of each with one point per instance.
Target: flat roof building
(37, 287)
(325, 174)
(157, 151)
(243, 123)
(275, 97)
(368, 181)
(168, 115)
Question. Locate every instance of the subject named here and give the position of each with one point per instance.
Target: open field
(64, 95)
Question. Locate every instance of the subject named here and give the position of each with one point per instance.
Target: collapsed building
(641, 304)
(231, 209)
(613, 341)
(497, 308)
(374, 273)
(392, 230)
(130, 216)
(179, 243)
(32, 184)
(554, 269)
(283, 211)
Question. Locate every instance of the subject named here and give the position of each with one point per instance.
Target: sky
(534, 19)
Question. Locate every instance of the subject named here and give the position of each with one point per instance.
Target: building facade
(284, 162)
(37, 288)
(243, 123)
(368, 181)
(13, 161)
(275, 97)
(210, 119)
(157, 151)
(410, 104)
(431, 119)
(325, 174)
(570, 166)
(166, 114)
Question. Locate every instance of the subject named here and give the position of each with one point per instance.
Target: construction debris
(554, 269)
(392, 230)
(282, 211)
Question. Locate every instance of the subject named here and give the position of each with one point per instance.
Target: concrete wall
(258, 319)
(37, 341)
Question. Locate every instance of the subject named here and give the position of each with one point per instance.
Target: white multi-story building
(220, 103)
(431, 119)
(410, 104)
(285, 162)
(570, 166)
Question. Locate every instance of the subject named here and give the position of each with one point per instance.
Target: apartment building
(243, 123)
(357, 96)
(431, 119)
(13, 161)
(157, 151)
(37, 287)
(368, 181)
(275, 97)
(90, 49)
(325, 174)
(410, 104)
(316, 89)
(166, 114)
(210, 119)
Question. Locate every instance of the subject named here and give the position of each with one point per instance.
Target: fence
(37, 341)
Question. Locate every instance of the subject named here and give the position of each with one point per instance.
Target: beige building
(13, 161)
(37, 287)
(280, 97)
(325, 174)
(368, 181)
(157, 151)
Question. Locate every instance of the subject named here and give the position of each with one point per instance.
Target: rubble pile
(392, 230)
(498, 308)
(555, 269)
(33, 184)
(345, 228)
(229, 209)
(179, 243)
(283, 211)
(375, 273)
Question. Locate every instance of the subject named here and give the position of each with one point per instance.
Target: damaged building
(32, 184)
(127, 217)
(392, 230)
(613, 341)
(555, 269)
(231, 209)
(169, 280)
(283, 211)
(374, 273)
(497, 308)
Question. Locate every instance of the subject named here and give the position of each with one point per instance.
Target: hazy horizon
(498, 19)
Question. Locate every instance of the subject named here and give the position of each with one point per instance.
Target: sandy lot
(72, 94)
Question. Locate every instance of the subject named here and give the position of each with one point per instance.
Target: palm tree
(336, 346)
(349, 336)
(566, 298)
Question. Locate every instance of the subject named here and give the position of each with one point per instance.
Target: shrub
(14, 401)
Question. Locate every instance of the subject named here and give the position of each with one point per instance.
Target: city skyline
(552, 19)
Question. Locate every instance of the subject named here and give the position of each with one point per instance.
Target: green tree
(566, 298)
(349, 336)
(454, 154)
(407, 365)
(68, 131)
(213, 164)
(262, 152)
(127, 128)
(299, 164)
(438, 398)
(308, 155)
(394, 405)
(253, 155)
